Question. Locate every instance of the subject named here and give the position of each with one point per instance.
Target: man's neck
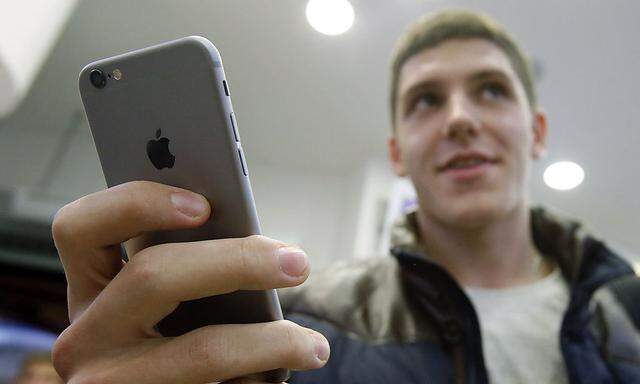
(501, 254)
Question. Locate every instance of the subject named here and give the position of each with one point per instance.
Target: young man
(479, 287)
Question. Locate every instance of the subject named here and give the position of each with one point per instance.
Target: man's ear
(395, 157)
(539, 135)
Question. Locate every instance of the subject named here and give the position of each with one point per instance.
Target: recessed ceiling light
(563, 175)
(331, 17)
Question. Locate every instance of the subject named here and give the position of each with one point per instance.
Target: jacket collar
(586, 263)
(580, 256)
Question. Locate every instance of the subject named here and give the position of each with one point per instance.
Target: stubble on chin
(465, 212)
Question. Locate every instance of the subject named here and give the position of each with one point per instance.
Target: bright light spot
(636, 268)
(563, 175)
(331, 17)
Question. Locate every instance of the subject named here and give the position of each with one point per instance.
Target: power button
(245, 170)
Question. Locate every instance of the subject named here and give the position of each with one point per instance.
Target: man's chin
(471, 213)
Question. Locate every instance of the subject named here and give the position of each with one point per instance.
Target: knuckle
(143, 270)
(260, 243)
(62, 226)
(136, 188)
(63, 352)
(131, 205)
(295, 340)
(137, 185)
(132, 197)
(251, 244)
(73, 365)
(134, 194)
(249, 258)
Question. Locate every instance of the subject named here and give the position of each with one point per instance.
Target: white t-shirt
(520, 330)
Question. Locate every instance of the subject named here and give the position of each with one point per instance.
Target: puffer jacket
(403, 319)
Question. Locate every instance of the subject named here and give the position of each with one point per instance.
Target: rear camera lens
(97, 78)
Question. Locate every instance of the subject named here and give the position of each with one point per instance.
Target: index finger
(88, 231)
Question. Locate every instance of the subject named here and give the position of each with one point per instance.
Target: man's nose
(461, 124)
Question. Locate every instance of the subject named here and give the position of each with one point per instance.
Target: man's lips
(466, 157)
(470, 172)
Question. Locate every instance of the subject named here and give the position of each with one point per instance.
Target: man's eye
(493, 91)
(426, 100)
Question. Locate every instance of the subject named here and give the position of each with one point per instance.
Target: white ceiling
(317, 102)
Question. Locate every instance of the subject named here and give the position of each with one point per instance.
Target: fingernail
(322, 349)
(189, 204)
(293, 261)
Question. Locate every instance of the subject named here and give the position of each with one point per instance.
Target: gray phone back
(173, 93)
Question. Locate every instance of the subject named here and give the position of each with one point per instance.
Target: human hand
(113, 306)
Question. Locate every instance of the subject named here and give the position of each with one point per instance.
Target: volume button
(234, 125)
(245, 170)
(226, 87)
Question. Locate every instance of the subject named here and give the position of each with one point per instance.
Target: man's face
(459, 97)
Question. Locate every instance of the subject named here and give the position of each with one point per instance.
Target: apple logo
(158, 152)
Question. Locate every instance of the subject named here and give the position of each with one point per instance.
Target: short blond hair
(433, 29)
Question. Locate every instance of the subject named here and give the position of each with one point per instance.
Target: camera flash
(117, 74)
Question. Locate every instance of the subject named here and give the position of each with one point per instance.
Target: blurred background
(313, 114)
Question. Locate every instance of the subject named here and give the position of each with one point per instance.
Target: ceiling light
(331, 17)
(563, 175)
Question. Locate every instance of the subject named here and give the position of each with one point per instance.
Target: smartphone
(164, 114)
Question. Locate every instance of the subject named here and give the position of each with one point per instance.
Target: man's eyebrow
(428, 84)
(489, 74)
(419, 87)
